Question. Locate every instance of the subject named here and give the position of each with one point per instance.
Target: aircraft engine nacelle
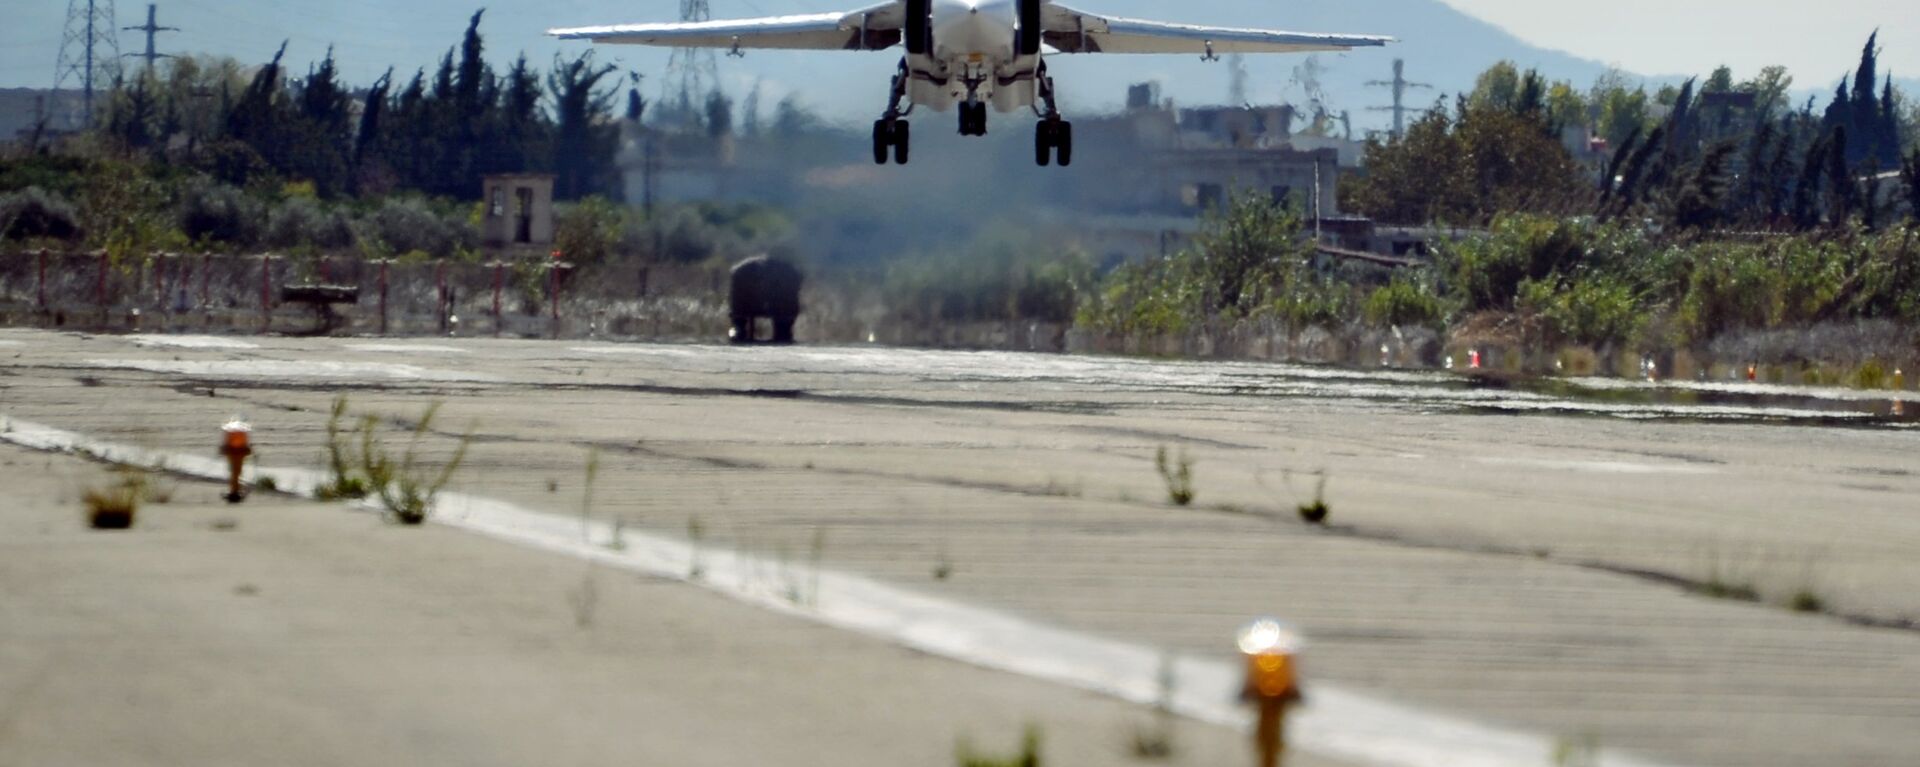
(1030, 27)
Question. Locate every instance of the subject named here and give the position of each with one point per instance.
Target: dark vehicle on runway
(764, 287)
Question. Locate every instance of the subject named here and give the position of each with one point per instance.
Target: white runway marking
(406, 349)
(1336, 722)
(1600, 467)
(327, 369)
(191, 342)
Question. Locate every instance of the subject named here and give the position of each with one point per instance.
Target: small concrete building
(519, 210)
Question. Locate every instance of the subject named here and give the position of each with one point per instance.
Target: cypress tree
(1864, 123)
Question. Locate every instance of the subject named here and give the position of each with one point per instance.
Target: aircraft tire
(882, 139)
(1043, 143)
(919, 26)
(1030, 31)
(1063, 141)
(902, 140)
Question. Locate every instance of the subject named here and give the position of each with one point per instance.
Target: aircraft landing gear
(973, 118)
(1053, 138)
(891, 134)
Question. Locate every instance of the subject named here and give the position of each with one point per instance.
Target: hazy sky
(1688, 36)
(1817, 41)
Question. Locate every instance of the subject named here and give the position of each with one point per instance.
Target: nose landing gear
(973, 118)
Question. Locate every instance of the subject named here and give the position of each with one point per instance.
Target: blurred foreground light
(1268, 635)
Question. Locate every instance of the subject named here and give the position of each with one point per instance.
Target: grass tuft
(113, 507)
(1177, 474)
(1028, 756)
(1315, 513)
(1806, 601)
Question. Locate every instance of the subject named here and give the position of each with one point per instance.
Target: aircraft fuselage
(973, 57)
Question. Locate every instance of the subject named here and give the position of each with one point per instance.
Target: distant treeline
(1700, 156)
(434, 133)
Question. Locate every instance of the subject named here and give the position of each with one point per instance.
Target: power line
(691, 72)
(1400, 85)
(150, 28)
(89, 52)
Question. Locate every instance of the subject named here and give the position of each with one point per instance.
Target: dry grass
(1177, 473)
(114, 506)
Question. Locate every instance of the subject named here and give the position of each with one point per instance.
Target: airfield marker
(1271, 686)
(236, 445)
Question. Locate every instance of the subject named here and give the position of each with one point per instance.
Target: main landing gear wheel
(1053, 141)
(973, 118)
(891, 136)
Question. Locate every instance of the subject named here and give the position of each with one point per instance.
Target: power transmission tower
(89, 52)
(1400, 85)
(691, 72)
(150, 28)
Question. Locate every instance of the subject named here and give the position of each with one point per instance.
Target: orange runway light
(1272, 684)
(236, 444)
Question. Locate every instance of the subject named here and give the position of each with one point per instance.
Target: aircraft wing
(1071, 31)
(867, 29)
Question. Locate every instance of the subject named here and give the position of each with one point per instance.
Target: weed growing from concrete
(619, 540)
(942, 564)
(1060, 489)
(586, 498)
(816, 553)
(1315, 513)
(1806, 600)
(1577, 751)
(696, 532)
(585, 599)
(1028, 756)
(344, 482)
(113, 507)
(1178, 475)
(1155, 741)
(1721, 583)
(407, 485)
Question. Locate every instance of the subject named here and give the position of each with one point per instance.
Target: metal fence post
(266, 293)
(499, 286)
(383, 295)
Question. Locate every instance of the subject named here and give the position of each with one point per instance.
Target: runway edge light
(1272, 685)
(236, 443)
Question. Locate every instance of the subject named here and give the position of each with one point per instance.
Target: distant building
(519, 210)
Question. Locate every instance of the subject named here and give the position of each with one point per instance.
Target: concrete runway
(1526, 559)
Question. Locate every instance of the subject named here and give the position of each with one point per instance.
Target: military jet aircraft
(969, 54)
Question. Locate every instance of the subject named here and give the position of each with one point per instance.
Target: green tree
(584, 137)
(1620, 108)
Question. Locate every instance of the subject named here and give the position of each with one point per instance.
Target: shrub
(1486, 272)
(303, 223)
(589, 231)
(1592, 309)
(215, 213)
(32, 214)
(407, 225)
(1408, 300)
